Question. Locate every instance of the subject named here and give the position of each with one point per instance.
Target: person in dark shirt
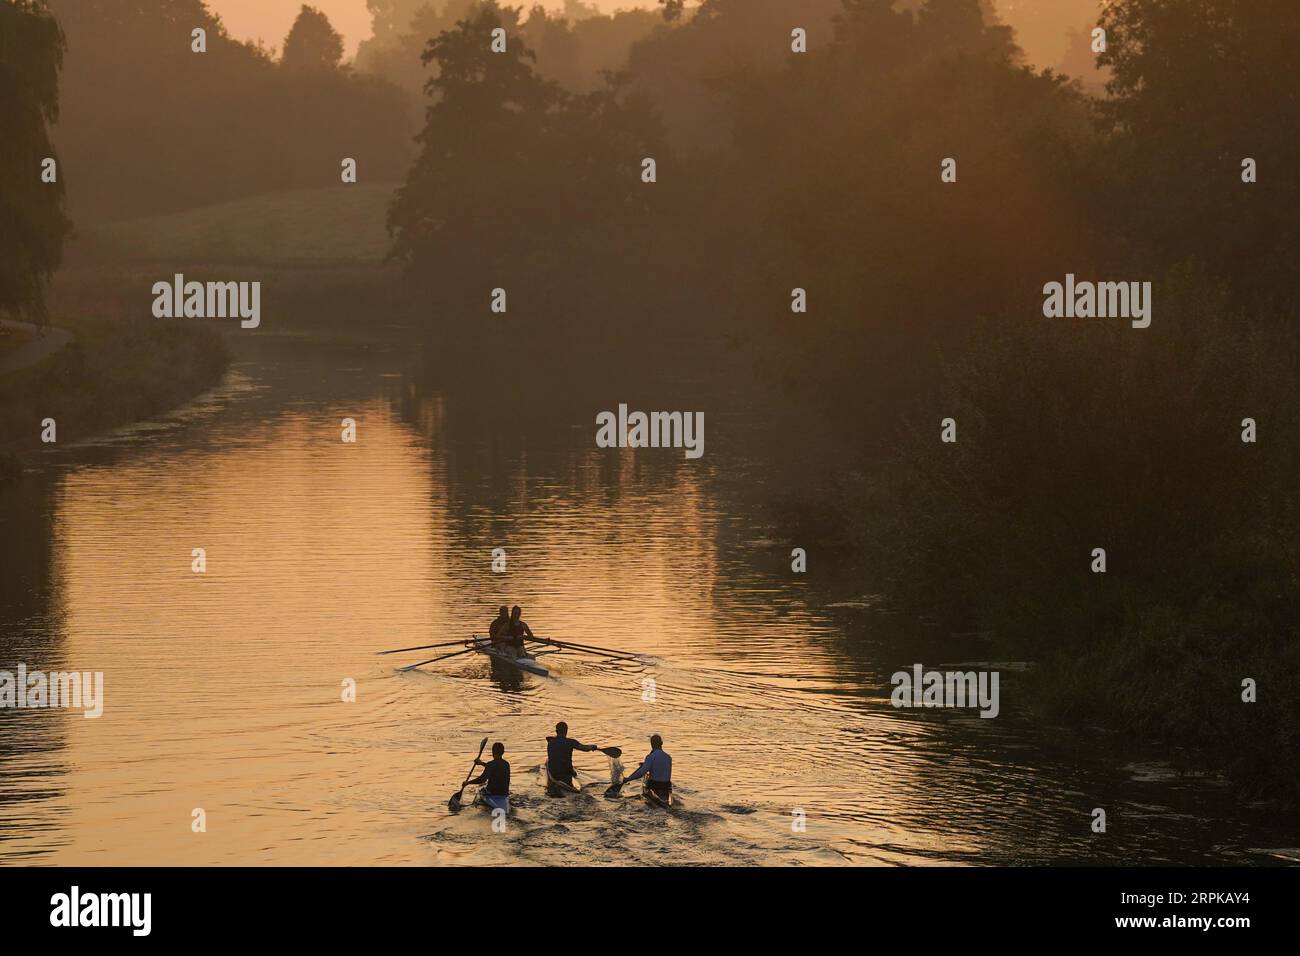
(518, 629)
(496, 776)
(559, 754)
(498, 628)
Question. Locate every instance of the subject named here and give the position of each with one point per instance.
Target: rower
(496, 774)
(517, 629)
(559, 753)
(498, 628)
(657, 768)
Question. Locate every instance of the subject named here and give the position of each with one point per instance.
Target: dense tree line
(574, 48)
(32, 222)
(151, 126)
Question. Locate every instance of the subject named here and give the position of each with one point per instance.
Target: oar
(595, 648)
(589, 648)
(421, 647)
(468, 650)
(454, 803)
(599, 652)
(614, 752)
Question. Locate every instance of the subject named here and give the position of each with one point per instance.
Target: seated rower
(496, 774)
(559, 754)
(657, 768)
(497, 629)
(517, 630)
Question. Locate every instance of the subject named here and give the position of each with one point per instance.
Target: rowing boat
(525, 662)
(654, 799)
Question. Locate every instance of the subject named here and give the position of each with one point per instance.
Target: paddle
(454, 803)
(613, 789)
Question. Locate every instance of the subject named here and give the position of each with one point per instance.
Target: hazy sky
(270, 20)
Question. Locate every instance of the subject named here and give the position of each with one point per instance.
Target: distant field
(338, 223)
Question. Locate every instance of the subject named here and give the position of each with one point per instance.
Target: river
(224, 690)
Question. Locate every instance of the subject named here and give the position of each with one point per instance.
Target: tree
(483, 129)
(522, 183)
(1199, 86)
(31, 210)
(313, 45)
(131, 63)
(672, 9)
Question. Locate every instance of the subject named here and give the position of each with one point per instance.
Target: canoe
(558, 788)
(491, 803)
(525, 662)
(654, 799)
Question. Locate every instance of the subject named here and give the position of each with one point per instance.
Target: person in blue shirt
(559, 754)
(657, 768)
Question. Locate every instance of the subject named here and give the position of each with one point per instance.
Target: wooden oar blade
(614, 752)
(454, 803)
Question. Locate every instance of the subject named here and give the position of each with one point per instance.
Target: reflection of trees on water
(30, 633)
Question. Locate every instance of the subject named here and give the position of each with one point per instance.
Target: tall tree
(522, 183)
(1198, 87)
(313, 45)
(32, 221)
(489, 116)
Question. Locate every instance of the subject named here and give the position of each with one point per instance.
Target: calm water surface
(224, 689)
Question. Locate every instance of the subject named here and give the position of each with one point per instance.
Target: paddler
(497, 629)
(657, 768)
(496, 776)
(559, 753)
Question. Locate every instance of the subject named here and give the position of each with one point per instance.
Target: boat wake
(588, 828)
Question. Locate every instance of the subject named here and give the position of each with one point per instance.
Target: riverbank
(1120, 508)
(23, 344)
(120, 365)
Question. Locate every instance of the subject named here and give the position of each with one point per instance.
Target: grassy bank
(123, 366)
(337, 224)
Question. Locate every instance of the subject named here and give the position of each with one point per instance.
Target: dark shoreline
(116, 371)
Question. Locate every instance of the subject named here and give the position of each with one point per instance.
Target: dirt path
(34, 350)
